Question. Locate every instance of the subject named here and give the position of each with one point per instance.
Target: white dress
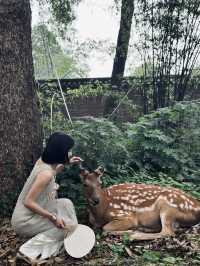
(47, 239)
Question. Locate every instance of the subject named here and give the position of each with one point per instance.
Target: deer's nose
(96, 201)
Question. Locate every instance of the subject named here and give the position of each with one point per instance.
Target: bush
(101, 142)
(168, 141)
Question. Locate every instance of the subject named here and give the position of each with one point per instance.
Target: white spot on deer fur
(122, 204)
(112, 214)
(117, 198)
(121, 191)
(189, 201)
(116, 206)
(171, 200)
(108, 192)
(116, 185)
(125, 198)
(110, 204)
(173, 205)
(183, 196)
(134, 196)
(181, 205)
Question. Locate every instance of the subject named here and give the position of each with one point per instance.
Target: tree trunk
(20, 128)
(127, 9)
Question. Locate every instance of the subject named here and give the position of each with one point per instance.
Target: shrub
(101, 142)
(168, 141)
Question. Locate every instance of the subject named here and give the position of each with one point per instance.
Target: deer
(144, 212)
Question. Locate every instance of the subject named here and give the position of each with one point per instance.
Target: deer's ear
(83, 173)
(99, 171)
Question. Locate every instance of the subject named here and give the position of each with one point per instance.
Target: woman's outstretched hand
(75, 159)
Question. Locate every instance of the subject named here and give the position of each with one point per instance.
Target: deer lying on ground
(124, 208)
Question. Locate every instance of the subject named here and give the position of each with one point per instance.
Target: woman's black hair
(57, 148)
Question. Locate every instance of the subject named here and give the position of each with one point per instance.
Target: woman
(38, 213)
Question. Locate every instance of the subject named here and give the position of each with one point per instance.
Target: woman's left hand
(75, 159)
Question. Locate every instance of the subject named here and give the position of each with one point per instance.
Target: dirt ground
(184, 249)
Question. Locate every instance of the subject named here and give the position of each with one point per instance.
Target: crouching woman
(38, 213)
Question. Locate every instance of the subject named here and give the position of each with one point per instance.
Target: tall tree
(127, 9)
(20, 141)
(170, 40)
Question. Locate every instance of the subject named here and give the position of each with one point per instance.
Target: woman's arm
(42, 180)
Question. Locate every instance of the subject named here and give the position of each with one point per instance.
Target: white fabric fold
(41, 246)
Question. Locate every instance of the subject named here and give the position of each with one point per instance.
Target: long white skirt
(49, 242)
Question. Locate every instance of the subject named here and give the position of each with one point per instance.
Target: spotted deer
(150, 209)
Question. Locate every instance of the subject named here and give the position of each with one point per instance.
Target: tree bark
(20, 128)
(127, 10)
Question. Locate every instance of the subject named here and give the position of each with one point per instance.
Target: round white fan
(80, 242)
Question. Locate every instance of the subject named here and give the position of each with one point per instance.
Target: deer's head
(92, 183)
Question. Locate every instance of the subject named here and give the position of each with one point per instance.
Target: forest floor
(184, 249)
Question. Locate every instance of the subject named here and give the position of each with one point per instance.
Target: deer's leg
(121, 226)
(167, 229)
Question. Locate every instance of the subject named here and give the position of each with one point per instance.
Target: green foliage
(152, 256)
(101, 142)
(62, 12)
(118, 249)
(168, 141)
(96, 89)
(65, 65)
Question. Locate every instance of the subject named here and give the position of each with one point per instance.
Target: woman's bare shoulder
(45, 176)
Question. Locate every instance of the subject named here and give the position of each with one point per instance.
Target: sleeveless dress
(47, 239)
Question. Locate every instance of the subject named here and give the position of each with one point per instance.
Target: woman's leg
(49, 242)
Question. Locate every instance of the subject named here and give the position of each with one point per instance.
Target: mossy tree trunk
(20, 128)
